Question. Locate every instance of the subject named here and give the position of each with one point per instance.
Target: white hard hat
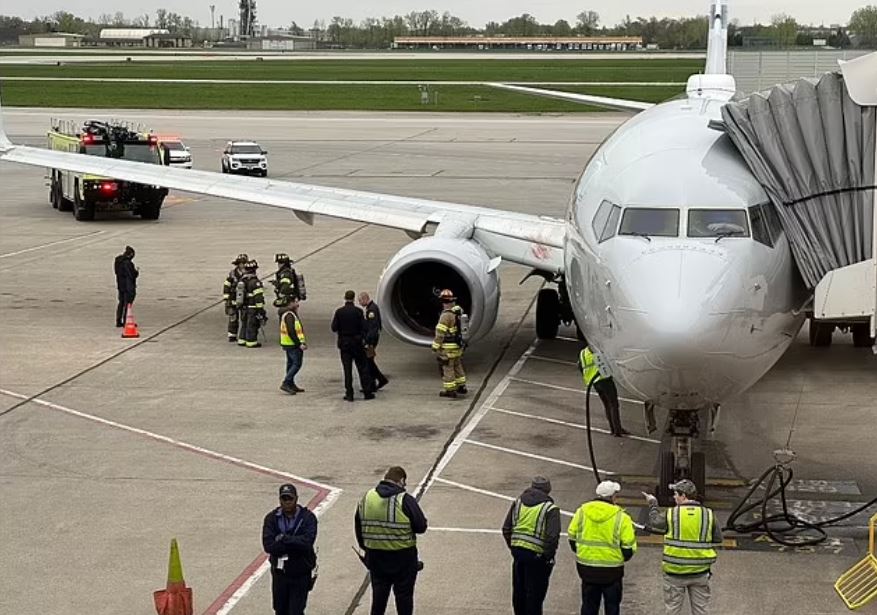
(608, 488)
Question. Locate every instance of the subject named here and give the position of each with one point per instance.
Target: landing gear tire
(820, 334)
(698, 473)
(666, 476)
(862, 335)
(82, 210)
(547, 314)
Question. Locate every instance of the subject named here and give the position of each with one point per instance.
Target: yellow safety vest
(530, 524)
(385, 526)
(688, 547)
(600, 529)
(589, 367)
(285, 338)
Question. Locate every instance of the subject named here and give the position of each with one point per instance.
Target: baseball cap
(684, 486)
(288, 490)
(607, 489)
(541, 483)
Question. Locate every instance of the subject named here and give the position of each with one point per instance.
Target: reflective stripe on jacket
(687, 544)
(447, 335)
(529, 525)
(298, 337)
(600, 529)
(588, 365)
(385, 526)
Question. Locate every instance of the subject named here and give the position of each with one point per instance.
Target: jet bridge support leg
(678, 460)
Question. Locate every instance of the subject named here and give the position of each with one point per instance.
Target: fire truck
(86, 194)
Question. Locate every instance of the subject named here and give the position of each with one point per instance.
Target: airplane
(670, 258)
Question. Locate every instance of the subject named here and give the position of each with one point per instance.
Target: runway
(127, 444)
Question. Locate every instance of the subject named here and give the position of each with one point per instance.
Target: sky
(276, 13)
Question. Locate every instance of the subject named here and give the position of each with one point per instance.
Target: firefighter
(287, 283)
(233, 304)
(448, 346)
(253, 316)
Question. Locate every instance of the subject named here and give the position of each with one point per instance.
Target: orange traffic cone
(176, 598)
(130, 329)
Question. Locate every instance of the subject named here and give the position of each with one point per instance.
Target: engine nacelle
(409, 287)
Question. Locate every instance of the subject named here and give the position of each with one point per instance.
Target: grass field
(303, 97)
(487, 69)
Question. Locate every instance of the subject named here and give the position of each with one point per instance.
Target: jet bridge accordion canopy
(811, 146)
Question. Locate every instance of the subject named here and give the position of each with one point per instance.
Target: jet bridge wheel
(547, 314)
(820, 333)
(862, 335)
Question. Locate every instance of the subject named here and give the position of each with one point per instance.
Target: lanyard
(285, 524)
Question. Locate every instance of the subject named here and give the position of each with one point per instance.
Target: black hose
(781, 526)
(588, 425)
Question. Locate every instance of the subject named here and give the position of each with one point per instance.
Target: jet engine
(412, 280)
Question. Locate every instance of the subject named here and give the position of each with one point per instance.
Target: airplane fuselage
(679, 274)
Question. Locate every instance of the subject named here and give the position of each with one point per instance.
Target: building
(51, 39)
(167, 40)
(127, 37)
(277, 42)
(567, 43)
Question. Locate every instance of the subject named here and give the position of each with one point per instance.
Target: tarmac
(110, 447)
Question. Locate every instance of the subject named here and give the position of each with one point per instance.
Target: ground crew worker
(294, 343)
(690, 535)
(126, 283)
(448, 346)
(229, 295)
(254, 306)
(386, 523)
(606, 389)
(287, 283)
(288, 536)
(602, 536)
(349, 323)
(371, 337)
(532, 531)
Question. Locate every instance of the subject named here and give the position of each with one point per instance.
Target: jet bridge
(811, 144)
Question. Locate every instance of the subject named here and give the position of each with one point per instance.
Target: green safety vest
(385, 526)
(598, 543)
(530, 524)
(688, 547)
(589, 367)
(285, 338)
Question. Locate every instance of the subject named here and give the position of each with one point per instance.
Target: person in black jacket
(373, 328)
(349, 323)
(392, 561)
(288, 535)
(126, 283)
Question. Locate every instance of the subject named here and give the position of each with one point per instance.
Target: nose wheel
(678, 461)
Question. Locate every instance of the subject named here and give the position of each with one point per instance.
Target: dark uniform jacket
(297, 542)
(229, 287)
(373, 324)
(255, 295)
(126, 274)
(349, 323)
(390, 562)
(286, 283)
(532, 497)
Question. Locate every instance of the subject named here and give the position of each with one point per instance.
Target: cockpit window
(650, 222)
(759, 226)
(717, 223)
(605, 221)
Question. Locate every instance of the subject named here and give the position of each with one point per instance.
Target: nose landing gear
(678, 461)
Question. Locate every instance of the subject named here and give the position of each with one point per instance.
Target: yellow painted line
(714, 482)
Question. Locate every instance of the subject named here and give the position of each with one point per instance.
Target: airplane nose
(686, 297)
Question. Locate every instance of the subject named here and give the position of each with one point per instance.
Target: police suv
(244, 157)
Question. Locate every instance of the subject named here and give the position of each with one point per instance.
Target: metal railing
(858, 585)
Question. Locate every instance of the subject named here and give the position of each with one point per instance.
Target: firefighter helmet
(447, 296)
(251, 265)
(282, 257)
(242, 259)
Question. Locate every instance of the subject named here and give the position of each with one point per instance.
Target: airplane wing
(600, 101)
(535, 241)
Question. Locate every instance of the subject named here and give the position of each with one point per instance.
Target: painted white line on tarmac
(492, 494)
(474, 530)
(51, 243)
(571, 389)
(476, 418)
(552, 360)
(514, 451)
(574, 425)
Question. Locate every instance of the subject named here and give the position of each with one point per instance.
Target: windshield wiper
(635, 234)
(724, 234)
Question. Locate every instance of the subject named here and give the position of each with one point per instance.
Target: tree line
(667, 33)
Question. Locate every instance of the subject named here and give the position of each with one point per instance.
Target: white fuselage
(681, 321)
